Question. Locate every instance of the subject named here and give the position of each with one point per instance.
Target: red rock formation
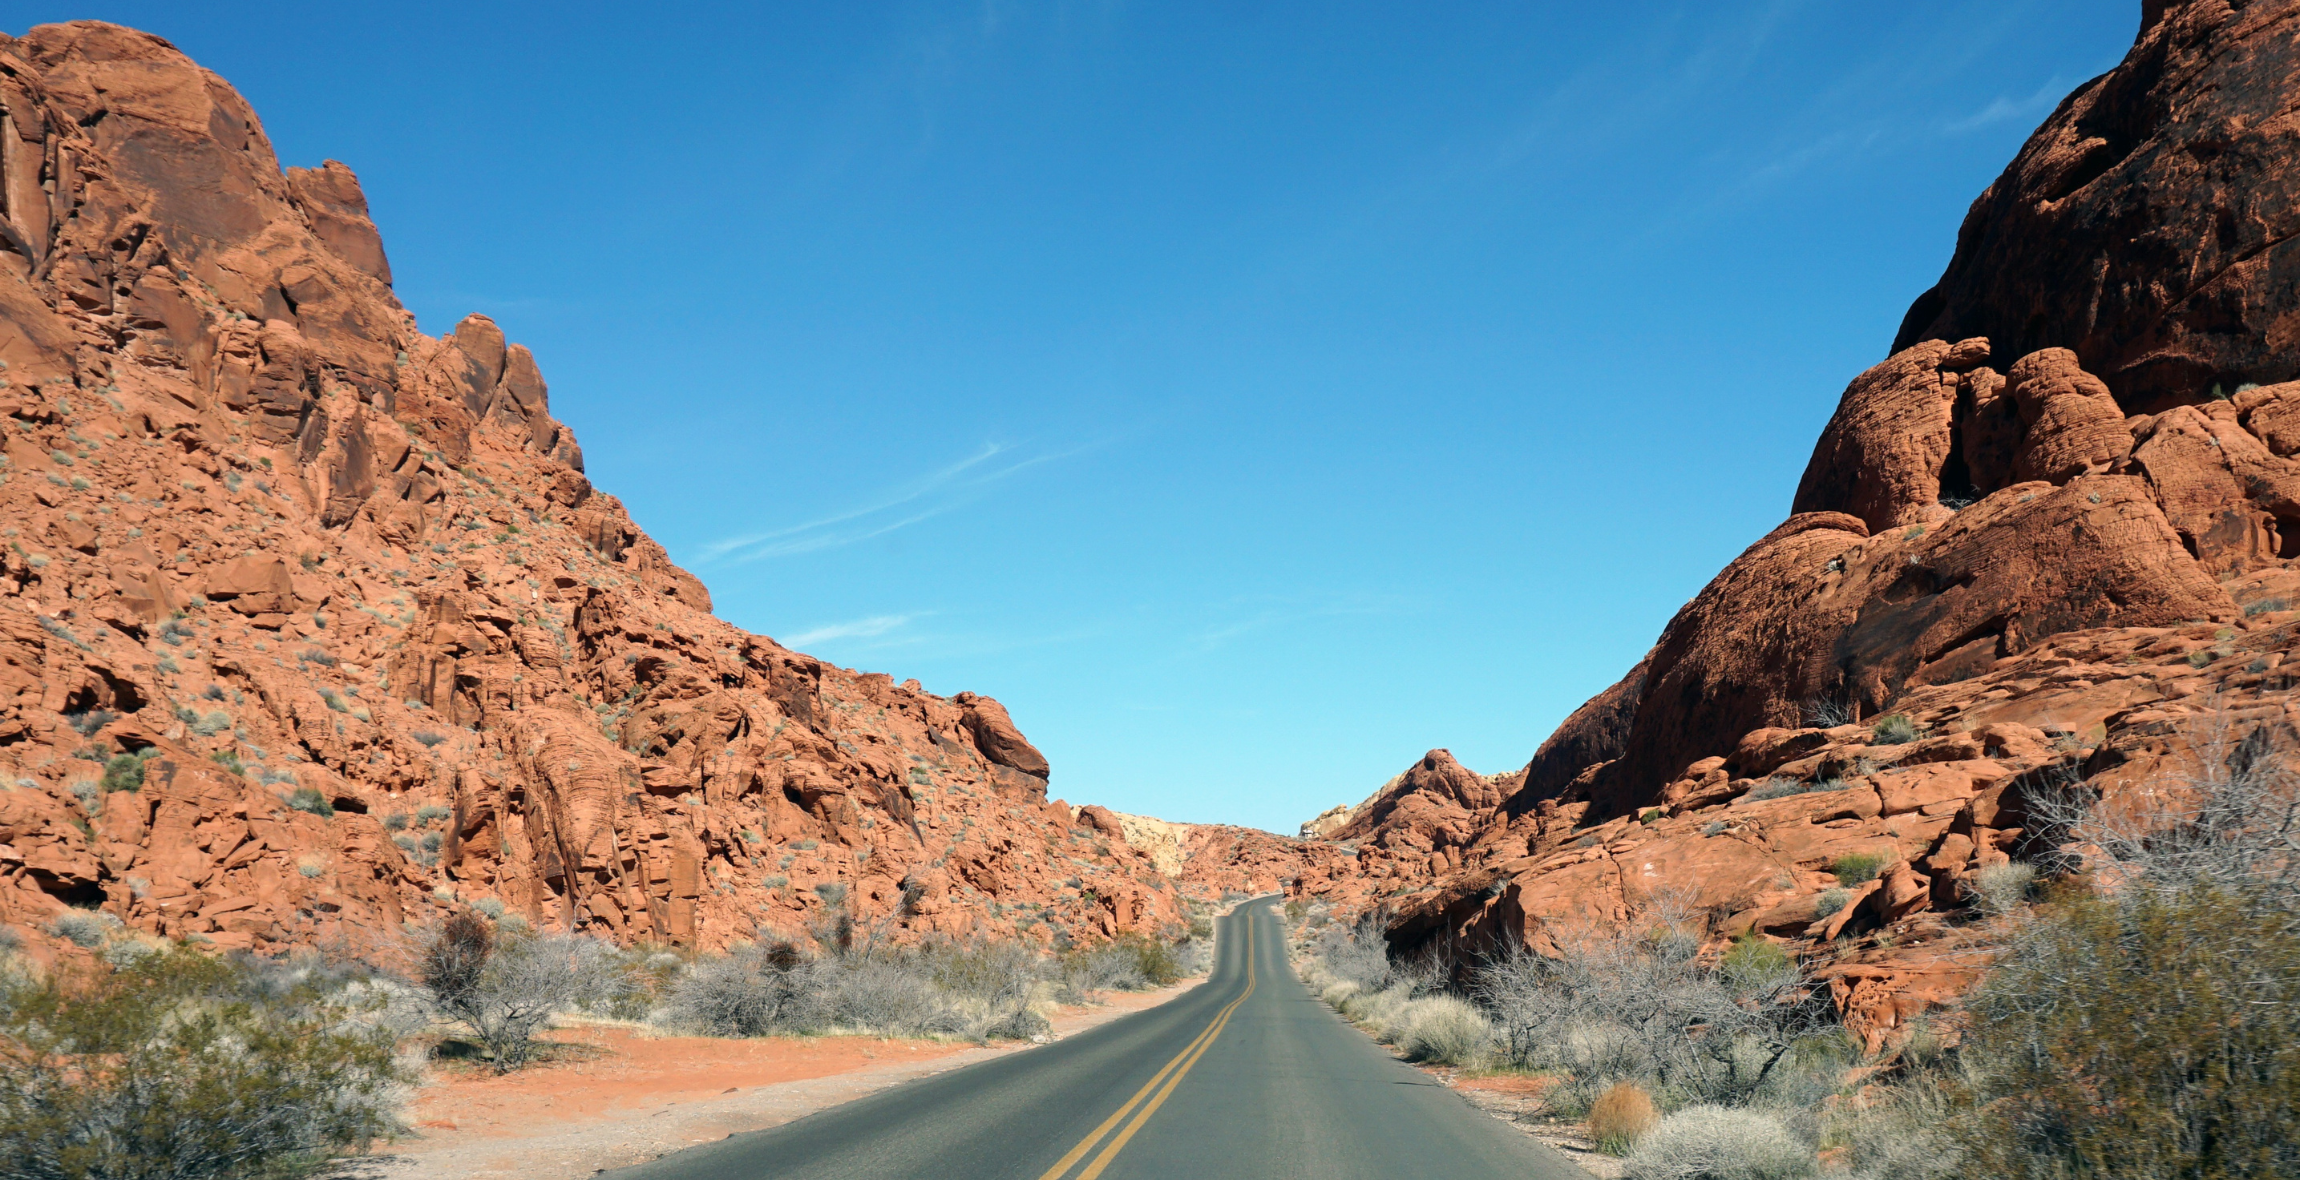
(262, 530)
(2063, 571)
(2148, 225)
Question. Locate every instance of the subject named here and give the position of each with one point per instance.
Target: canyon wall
(312, 626)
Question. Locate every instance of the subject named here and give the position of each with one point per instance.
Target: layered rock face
(297, 558)
(2051, 539)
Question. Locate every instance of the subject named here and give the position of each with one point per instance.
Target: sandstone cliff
(2050, 539)
(310, 624)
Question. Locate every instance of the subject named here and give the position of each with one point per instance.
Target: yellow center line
(1176, 1068)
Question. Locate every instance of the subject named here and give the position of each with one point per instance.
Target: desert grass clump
(1780, 787)
(1894, 729)
(2001, 888)
(1709, 1142)
(1443, 1030)
(1620, 1117)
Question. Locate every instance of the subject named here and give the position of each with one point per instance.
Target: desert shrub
(1830, 901)
(1108, 967)
(395, 822)
(504, 987)
(1894, 729)
(1854, 868)
(751, 992)
(211, 724)
(1636, 1004)
(2001, 888)
(1827, 713)
(1753, 966)
(978, 990)
(1909, 1131)
(176, 1066)
(311, 800)
(87, 723)
(1714, 1143)
(83, 928)
(1356, 952)
(430, 812)
(2264, 606)
(1446, 1030)
(428, 737)
(1620, 1117)
(125, 772)
(2155, 1035)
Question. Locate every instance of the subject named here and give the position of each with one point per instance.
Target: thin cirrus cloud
(870, 628)
(2022, 109)
(905, 505)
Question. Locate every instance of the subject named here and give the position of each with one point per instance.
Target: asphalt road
(1248, 1075)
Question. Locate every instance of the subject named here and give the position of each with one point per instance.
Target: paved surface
(1247, 1076)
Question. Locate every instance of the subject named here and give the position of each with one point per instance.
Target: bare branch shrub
(1636, 1004)
(505, 987)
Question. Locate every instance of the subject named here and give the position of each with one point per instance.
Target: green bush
(1752, 964)
(2155, 1036)
(177, 1066)
(311, 800)
(1853, 868)
(125, 772)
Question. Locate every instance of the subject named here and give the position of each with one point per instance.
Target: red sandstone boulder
(997, 736)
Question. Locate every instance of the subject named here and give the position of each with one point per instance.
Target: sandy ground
(1516, 1099)
(614, 1096)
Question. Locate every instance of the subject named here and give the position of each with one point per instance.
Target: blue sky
(1250, 396)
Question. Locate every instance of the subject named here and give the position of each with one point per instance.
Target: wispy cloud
(900, 507)
(1279, 612)
(870, 628)
(2005, 108)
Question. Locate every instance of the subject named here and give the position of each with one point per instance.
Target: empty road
(1247, 1075)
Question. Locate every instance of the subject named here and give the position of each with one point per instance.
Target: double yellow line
(1171, 1075)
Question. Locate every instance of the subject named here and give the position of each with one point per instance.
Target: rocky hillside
(310, 624)
(2053, 537)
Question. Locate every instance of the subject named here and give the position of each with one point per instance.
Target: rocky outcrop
(311, 624)
(2048, 540)
(2149, 225)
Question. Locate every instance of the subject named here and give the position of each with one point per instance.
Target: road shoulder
(522, 1130)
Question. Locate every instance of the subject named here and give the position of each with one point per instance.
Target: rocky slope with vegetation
(311, 624)
(2039, 552)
